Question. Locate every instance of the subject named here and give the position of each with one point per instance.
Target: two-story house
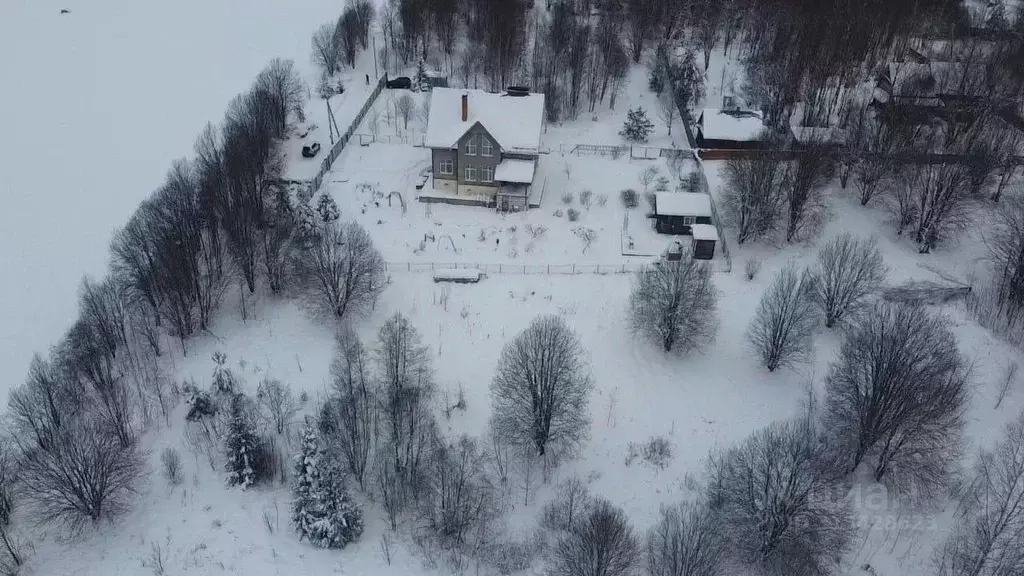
(484, 145)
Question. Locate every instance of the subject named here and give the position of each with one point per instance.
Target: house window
(446, 167)
(485, 147)
(689, 220)
(487, 174)
(471, 146)
(470, 173)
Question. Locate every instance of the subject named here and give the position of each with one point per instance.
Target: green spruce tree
(240, 445)
(637, 126)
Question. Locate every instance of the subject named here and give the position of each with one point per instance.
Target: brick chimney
(465, 106)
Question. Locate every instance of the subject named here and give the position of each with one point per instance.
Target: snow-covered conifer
(240, 445)
(637, 126)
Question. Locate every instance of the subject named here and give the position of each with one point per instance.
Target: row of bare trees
(220, 217)
(337, 43)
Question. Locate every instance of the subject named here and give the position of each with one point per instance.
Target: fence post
(408, 266)
(598, 268)
(573, 267)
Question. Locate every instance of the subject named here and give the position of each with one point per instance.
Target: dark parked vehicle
(402, 82)
(310, 150)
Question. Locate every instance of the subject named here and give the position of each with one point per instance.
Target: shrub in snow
(240, 444)
(602, 543)
(573, 214)
(602, 200)
(567, 198)
(322, 510)
(586, 198)
(661, 184)
(656, 452)
(637, 126)
(772, 502)
(327, 209)
(652, 201)
(630, 199)
(170, 463)
(674, 303)
(541, 387)
(848, 271)
(785, 319)
(224, 381)
(200, 405)
(751, 267)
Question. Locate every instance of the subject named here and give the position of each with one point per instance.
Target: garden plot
(398, 116)
(581, 203)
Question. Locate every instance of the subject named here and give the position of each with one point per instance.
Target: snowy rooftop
(704, 232)
(735, 125)
(520, 171)
(514, 121)
(682, 204)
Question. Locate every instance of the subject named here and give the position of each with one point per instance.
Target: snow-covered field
(96, 132)
(98, 103)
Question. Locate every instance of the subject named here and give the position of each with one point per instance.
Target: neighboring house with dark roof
(484, 145)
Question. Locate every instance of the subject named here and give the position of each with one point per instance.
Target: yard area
(580, 200)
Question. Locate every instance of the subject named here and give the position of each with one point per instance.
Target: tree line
(222, 218)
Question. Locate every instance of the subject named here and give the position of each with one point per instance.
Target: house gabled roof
(682, 204)
(515, 122)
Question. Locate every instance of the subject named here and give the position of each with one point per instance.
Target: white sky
(96, 105)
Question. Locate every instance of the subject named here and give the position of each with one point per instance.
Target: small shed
(705, 236)
(677, 212)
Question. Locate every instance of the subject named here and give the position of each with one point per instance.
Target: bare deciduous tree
(354, 404)
(408, 428)
(1006, 254)
(785, 318)
(84, 475)
(570, 506)
(847, 272)
(667, 110)
(326, 52)
(277, 402)
(286, 92)
(804, 180)
(897, 395)
(674, 303)
(461, 501)
(342, 269)
(773, 502)
(988, 537)
(540, 388)
(602, 544)
(685, 542)
(406, 107)
(753, 200)
(943, 205)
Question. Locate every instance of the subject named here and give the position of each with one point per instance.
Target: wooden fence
(635, 152)
(332, 155)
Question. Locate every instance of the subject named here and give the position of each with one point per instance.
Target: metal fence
(616, 152)
(535, 269)
(367, 139)
(328, 161)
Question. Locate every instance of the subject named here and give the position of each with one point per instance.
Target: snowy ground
(99, 102)
(710, 399)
